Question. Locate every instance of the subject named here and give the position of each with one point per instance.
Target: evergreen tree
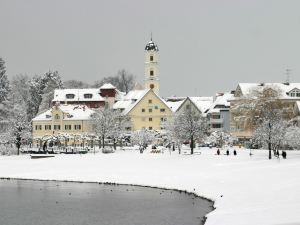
(4, 83)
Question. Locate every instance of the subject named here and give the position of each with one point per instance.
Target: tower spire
(151, 36)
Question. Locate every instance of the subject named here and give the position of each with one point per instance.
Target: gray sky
(206, 46)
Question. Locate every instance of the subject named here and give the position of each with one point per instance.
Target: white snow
(246, 190)
(73, 112)
(60, 95)
(246, 88)
(107, 86)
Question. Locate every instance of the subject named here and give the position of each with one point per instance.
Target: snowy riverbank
(246, 190)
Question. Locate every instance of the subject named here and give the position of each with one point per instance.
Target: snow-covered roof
(221, 102)
(72, 112)
(130, 100)
(107, 86)
(74, 95)
(202, 103)
(247, 88)
(174, 105)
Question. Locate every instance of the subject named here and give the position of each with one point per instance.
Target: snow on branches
(188, 125)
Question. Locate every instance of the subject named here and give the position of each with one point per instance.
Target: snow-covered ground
(246, 190)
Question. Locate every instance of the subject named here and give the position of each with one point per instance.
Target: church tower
(151, 67)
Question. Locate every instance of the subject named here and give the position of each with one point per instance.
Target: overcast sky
(206, 46)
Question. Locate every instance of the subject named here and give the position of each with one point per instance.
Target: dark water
(60, 203)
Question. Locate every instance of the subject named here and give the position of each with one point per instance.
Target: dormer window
(294, 93)
(88, 95)
(57, 117)
(70, 96)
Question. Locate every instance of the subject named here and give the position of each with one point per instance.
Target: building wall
(39, 127)
(140, 120)
(151, 66)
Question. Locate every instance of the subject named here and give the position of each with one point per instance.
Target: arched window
(56, 117)
(151, 58)
(294, 93)
(151, 73)
(151, 86)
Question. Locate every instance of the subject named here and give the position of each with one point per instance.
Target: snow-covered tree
(142, 138)
(246, 111)
(270, 131)
(20, 128)
(4, 83)
(292, 137)
(49, 82)
(189, 125)
(220, 138)
(35, 99)
(118, 129)
(109, 123)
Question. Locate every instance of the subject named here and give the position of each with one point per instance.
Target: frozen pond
(64, 203)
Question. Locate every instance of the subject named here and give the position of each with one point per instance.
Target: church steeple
(151, 66)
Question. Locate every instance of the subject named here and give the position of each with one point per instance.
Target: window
(70, 96)
(151, 73)
(215, 116)
(143, 110)
(150, 110)
(38, 127)
(151, 86)
(68, 127)
(77, 127)
(162, 110)
(88, 95)
(150, 119)
(187, 107)
(156, 107)
(150, 101)
(56, 127)
(47, 127)
(216, 125)
(150, 128)
(57, 117)
(294, 93)
(151, 58)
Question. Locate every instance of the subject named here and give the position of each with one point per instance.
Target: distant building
(62, 119)
(91, 97)
(289, 94)
(219, 113)
(145, 108)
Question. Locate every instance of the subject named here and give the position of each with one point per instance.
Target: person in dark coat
(234, 152)
(284, 154)
(227, 152)
(45, 146)
(218, 152)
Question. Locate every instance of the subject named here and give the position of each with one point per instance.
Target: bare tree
(75, 84)
(124, 81)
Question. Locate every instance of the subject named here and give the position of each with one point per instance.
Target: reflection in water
(60, 203)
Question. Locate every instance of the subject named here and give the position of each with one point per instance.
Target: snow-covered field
(246, 190)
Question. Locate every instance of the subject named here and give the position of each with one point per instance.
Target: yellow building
(145, 109)
(62, 121)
